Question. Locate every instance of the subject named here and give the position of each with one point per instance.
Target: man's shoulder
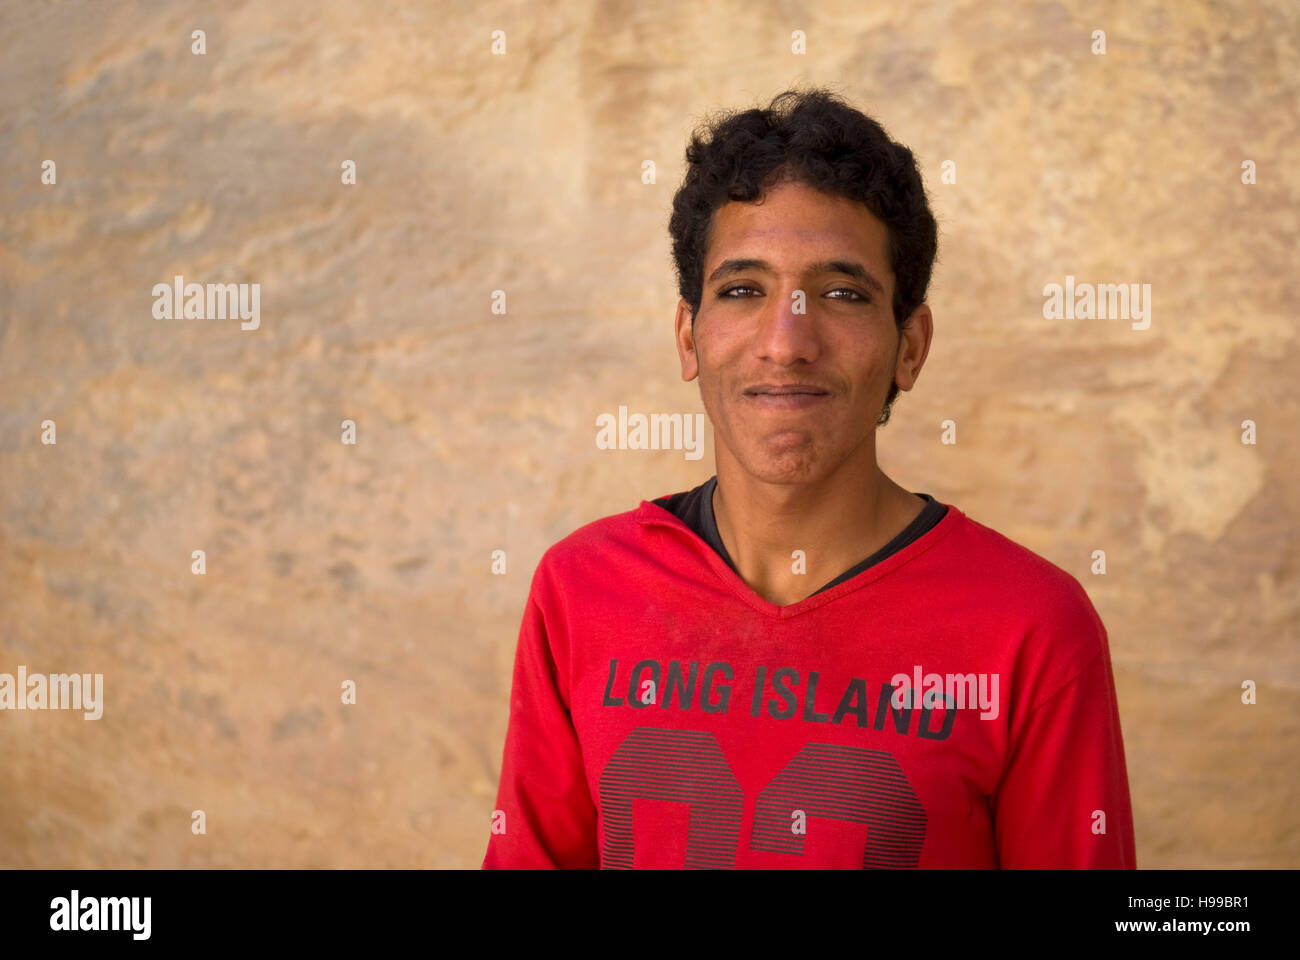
(1003, 568)
(616, 537)
(1007, 557)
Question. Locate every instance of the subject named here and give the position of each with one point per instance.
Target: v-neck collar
(650, 512)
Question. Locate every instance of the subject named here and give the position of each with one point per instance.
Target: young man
(799, 663)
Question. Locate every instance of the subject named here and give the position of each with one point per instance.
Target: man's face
(793, 395)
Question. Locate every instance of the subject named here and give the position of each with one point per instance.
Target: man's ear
(685, 334)
(913, 347)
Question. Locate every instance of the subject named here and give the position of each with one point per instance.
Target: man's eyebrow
(849, 268)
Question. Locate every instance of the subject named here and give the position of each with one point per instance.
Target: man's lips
(788, 396)
(782, 389)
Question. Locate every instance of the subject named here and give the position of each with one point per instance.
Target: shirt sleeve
(1066, 779)
(544, 816)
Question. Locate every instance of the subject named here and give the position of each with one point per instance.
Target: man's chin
(800, 464)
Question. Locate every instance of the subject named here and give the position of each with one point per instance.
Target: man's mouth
(781, 390)
(786, 396)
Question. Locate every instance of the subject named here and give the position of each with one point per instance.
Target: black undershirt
(695, 509)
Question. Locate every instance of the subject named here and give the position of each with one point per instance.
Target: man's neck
(837, 522)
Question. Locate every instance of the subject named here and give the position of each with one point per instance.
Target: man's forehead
(798, 236)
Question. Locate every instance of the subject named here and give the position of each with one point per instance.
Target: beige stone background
(522, 172)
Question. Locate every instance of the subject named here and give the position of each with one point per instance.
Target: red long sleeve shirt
(664, 715)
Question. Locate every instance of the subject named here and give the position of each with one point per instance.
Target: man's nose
(787, 330)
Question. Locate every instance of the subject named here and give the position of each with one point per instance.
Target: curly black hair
(818, 138)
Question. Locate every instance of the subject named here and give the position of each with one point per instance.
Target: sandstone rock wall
(521, 172)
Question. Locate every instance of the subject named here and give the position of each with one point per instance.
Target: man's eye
(730, 290)
(854, 295)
